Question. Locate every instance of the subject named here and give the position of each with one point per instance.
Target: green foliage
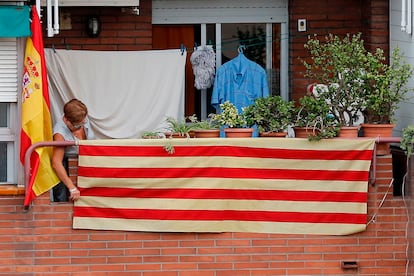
(309, 109)
(169, 148)
(356, 79)
(230, 116)
(407, 140)
(209, 123)
(341, 65)
(315, 113)
(386, 87)
(270, 114)
(182, 127)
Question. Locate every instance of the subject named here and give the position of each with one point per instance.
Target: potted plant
(385, 88)
(180, 128)
(313, 119)
(358, 83)
(272, 115)
(339, 65)
(208, 128)
(233, 121)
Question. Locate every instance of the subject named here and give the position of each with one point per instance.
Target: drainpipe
(50, 31)
(30, 150)
(409, 17)
(403, 15)
(56, 17)
(52, 17)
(38, 8)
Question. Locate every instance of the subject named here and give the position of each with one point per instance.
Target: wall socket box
(302, 25)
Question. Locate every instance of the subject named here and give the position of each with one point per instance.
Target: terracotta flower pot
(206, 133)
(238, 132)
(304, 132)
(348, 132)
(376, 131)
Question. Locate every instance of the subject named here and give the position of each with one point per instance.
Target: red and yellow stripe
(215, 185)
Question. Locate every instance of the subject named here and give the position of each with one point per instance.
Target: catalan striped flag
(36, 120)
(263, 185)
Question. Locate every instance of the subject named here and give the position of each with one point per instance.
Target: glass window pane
(4, 114)
(252, 36)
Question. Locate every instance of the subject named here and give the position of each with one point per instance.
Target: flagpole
(38, 8)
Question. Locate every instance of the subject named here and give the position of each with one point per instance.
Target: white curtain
(127, 93)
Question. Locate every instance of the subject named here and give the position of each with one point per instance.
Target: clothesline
(240, 42)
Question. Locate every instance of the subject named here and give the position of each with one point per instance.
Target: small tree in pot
(314, 117)
(340, 65)
(270, 114)
(233, 121)
(385, 86)
(385, 90)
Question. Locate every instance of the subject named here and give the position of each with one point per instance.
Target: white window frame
(10, 66)
(230, 11)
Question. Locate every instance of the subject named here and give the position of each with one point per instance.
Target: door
(172, 37)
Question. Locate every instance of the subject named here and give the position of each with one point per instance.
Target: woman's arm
(57, 159)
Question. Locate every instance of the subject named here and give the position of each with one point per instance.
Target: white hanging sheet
(126, 92)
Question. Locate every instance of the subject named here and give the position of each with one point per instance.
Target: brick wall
(42, 242)
(120, 29)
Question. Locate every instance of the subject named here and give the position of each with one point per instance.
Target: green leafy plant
(270, 114)
(181, 127)
(407, 140)
(230, 116)
(339, 64)
(314, 113)
(169, 148)
(209, 123)
(357, 81)
(385, 87)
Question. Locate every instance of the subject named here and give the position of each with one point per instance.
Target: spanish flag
(36, 119)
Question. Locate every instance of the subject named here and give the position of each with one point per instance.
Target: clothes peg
(182, 47)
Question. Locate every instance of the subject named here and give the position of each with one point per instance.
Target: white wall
(405, 41)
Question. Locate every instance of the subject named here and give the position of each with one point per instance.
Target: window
(8, 110)
(218, 22)
(262, 45)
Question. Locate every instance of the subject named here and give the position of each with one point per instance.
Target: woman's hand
(74, 194)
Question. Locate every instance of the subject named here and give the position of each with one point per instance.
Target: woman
(74, 125)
